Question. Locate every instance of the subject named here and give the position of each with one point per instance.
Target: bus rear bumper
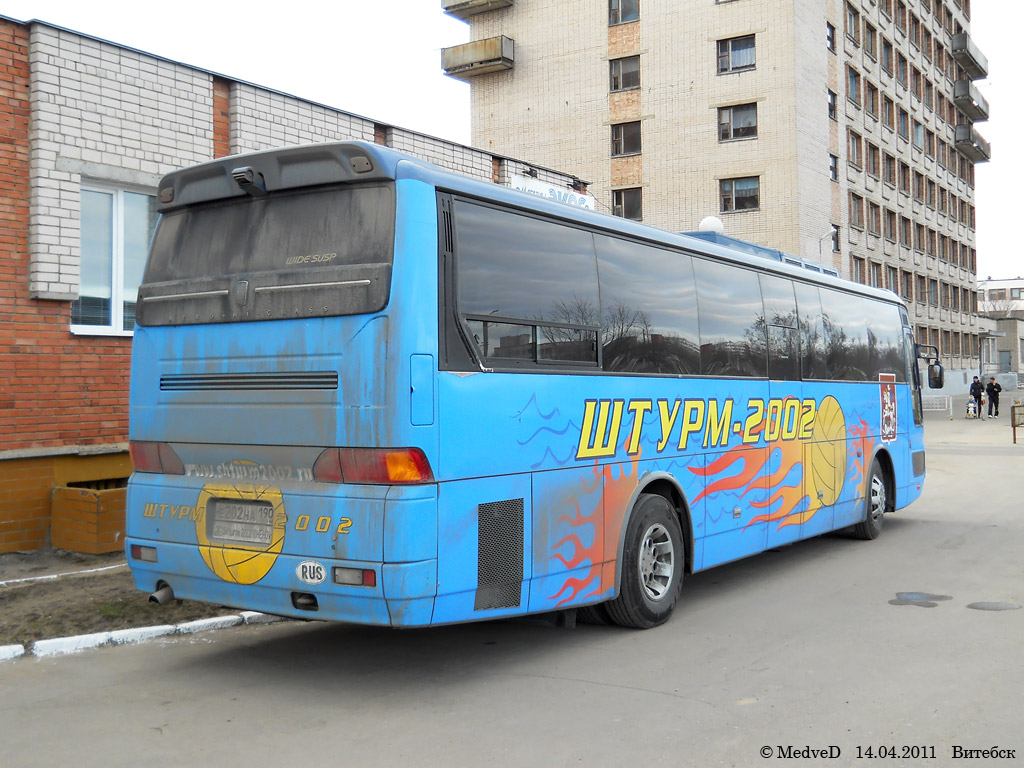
(402, 594)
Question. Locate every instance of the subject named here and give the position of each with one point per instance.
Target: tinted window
(649, 309)
(812, 331)
(783, 337)
(287, 232)
(320, 253)
(847, 348)
(732, 331)
(885, 336)
(516, 267)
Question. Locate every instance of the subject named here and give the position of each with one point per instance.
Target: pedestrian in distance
(977, 391)
(993, 389)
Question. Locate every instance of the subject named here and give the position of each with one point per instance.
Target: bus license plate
(244, 522)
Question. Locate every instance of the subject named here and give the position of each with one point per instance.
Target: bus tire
(653, 554)
(876, 504)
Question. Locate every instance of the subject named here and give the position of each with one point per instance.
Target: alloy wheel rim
(657, 562)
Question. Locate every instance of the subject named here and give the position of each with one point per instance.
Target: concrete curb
(60, 646)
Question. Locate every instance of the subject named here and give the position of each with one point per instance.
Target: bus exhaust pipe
(162, 596)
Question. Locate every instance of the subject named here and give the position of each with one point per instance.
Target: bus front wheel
(876, 504)
(653, 554)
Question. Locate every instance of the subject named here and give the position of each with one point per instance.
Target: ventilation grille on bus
(499, 555)
(249, 381)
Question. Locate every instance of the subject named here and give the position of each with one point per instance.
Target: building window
(886, 55)
(830, 37)
(933, 292)
(870, 40)
(889, 113)
(628, 203)
(621, 11)
(742, 194)
(833, 167)
(871, 99)
(116, 227)
(856, 211)
(852, 23)
(922, 297)
(907, 284)
(739, 122)
(889, 168)
(833, 110)
(904, 178)
(625, 73)
(905, 231)
(852, 84)
(857, 269)
(876, 274)
(918, 135)
(901, 69)
(874, 160)
(855, 156)
(736, 54)
(903, 125)
(835, 238)
(874, 219)
(890, 225)
(626, 139)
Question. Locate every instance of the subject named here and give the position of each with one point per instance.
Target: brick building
(841, 131)
(87, 128)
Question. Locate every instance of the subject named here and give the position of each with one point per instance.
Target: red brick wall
(56, 389)
(221, 117)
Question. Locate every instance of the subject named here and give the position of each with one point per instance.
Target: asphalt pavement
(905, 650)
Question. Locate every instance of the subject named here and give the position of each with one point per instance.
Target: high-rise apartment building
(837, 130)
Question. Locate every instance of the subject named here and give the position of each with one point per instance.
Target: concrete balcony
(478, 57)
(463, 9)
(969, 57)
(970, 144)
(969, 101)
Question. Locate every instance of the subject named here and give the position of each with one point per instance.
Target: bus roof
(258, 173)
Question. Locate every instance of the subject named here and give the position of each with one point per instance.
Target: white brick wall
(107, 114)
(101, 113)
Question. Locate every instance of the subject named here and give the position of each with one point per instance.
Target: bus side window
(648, 307)
(733, 341)
(812, 332)
(781, 319)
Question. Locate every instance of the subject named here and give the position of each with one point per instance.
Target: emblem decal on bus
(887, 395)
(240, 529)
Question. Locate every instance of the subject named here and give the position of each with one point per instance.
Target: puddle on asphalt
(920, 599)
(994, 606)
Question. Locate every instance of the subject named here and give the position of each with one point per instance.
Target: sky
(381, 59)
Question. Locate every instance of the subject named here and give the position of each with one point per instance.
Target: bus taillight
(155, 457)
(373, 466)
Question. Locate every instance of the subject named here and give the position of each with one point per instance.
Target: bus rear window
(305, 254)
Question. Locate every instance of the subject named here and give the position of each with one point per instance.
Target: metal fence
(938, 403)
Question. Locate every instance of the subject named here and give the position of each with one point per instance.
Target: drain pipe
(162, 596)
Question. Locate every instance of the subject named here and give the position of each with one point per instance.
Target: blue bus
(368, 390)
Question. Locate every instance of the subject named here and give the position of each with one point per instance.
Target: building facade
(87, 128)
(1003, 302)
(837, 130)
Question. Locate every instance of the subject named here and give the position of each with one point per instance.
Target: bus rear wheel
(876, 504)
(653, 554)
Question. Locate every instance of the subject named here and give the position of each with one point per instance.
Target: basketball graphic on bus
(826, 454)
(240, 530)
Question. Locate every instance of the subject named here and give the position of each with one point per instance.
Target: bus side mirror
(936, 376)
